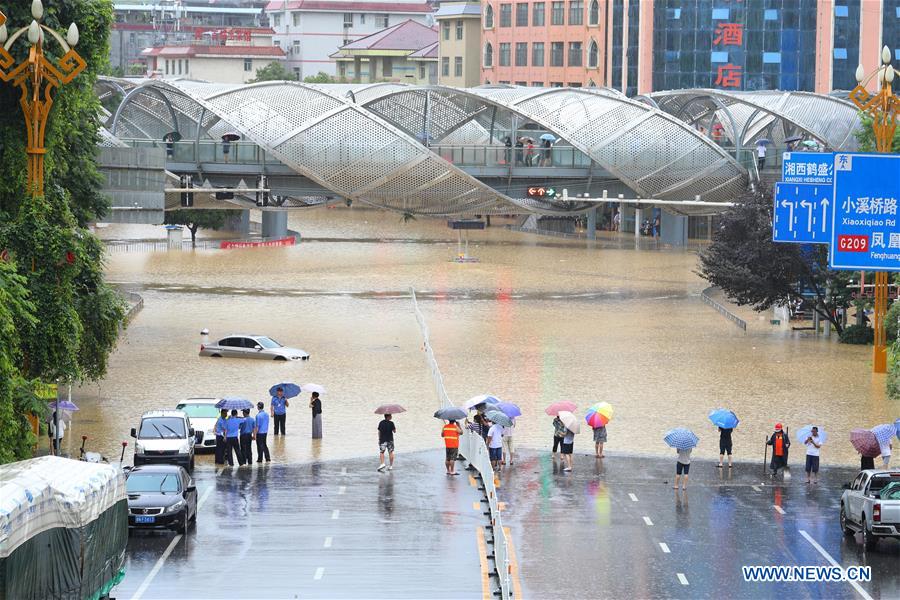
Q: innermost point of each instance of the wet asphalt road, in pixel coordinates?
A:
(327, 529)
(616, 529)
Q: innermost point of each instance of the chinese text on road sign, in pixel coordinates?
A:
(807, 167)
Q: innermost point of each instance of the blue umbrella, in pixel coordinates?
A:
(549, 137)
(509, 409)
(233, 403)
(450, 413)
(805, 432)
(884, 432)
(681, 438)
(64, 405)
(724, 418)
(762, 141)
(495, 416)
(290, 389)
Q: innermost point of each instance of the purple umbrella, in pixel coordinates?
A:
(389, 409)
(509, 409)
(64, 405)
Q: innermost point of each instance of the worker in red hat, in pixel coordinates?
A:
(780, 443)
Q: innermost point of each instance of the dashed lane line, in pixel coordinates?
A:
(682, 579)
(319, 572)
(755, 488)
(165, 555)
(859, 589)
(341, 490)
(664, 547)
(633, 497)
(343, 470)
(648, 521)
(328, 541)
(482, 558)
(336, 513)
(779, 509)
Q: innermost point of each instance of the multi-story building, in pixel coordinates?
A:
(640, 46)
(311, 31)
(406, 52)
(459, 25)
(233, 56)
(140, 25)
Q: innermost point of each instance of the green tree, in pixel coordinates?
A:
(754, 271)
(195, 219)
(320, 77)
(273, 71)
(893, 376)
(865, 135)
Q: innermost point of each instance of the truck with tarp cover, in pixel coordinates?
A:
(63, 529)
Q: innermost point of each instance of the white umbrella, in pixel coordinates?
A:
(313, 387)
(570, 421)
(480, 399)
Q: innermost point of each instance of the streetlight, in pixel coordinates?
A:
(883, 107)
(37, 77)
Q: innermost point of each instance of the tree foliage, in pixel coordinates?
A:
(865, 135)
(273, 71)
(320, 77)
(195, 219)
(754, 271)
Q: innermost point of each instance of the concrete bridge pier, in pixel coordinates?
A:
(274, 223)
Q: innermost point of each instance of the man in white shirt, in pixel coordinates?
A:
(761, 156)
(495, 445)
(813, 445)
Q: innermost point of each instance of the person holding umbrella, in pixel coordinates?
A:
(780, 444)
(512, 411)
(598, 417)
(726, 421)
(495, 444)
(683, 441)
(279, 409)
(813, 440)
(865, 442)
(316, 405)
(386, 431)
(568, 442)
(884, 434)
(451, 432)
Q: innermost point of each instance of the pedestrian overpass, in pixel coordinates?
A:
(437, 150)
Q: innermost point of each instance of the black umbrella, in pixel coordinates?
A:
(793, 138)
(172, 136)
(231, 137)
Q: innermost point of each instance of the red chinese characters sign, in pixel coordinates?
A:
(729, 34)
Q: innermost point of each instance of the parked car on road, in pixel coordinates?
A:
(164, 437)
(251, 346)
(871, 505)
(203, 415)
(160, 497)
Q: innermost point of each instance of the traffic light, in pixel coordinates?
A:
(187, 198)
(542, 192)
(262, 198)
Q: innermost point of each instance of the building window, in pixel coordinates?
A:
(673, 13)
(506, 15)
(772, 58)
(295, 17)
(248, 64)
(504, 54)
(521, 54)
(570, 84)
(459, 29)
(575, 59)
(593, 55)
(362, 18)
(537, 14)
(167, 66)
(276, 20)
(537, 54)
(521, 14)
(841, 11)
(445, 66)
(186, 66)
(718, 57)
(720, 14)
(556, 84)
(594, 16)
(387, 67)
(445, 27)
(457, 66)
(382, 20)
(771, 14)
(489, 17)
(537, 84)
(576, 12)
(348, 20)
(296, 48)
(556, 54)
(179, 66)
(297, 73)
(522, 83)
(422, 72)
(839, 54)
(488, 55)
(558, 13)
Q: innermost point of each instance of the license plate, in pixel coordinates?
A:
(144, 519)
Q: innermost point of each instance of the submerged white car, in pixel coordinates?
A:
(251, 346)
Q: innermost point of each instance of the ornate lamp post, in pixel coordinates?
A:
(37, 77)
(883, 107)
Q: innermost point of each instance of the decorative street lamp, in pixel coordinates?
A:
(37, 77)
(883, 107)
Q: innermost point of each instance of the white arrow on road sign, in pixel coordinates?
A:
(790, 207)
(825, 204)
(809, 210)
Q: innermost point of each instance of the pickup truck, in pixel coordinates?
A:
(871, 506)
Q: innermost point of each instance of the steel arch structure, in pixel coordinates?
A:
(748, 116)
(370, 142)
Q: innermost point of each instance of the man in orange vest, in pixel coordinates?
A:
(780, 443)
(450, 433)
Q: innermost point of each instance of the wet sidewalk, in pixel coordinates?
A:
(328, 529)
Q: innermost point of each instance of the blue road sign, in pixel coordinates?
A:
(865, 235)
(807, 167)
(802, 213)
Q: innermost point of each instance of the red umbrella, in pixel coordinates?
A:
(865, 442)
(389, 409)
(565, 405)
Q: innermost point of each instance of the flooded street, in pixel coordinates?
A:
(537, 320)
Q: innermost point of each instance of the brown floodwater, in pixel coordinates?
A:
(536, 320)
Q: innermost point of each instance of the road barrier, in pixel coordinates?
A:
(472, 447)
(136, 304)
(722, 309)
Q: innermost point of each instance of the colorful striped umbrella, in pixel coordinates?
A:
(554, 409)
(724, 418)
(865, 442)
(599, 414)
(681, 438)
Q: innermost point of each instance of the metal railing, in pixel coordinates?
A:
(473, 449)
(722, 309)
(136, 304)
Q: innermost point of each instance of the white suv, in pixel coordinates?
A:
(164, 437)
(203, 415)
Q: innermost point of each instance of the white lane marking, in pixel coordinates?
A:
(859, 589)
(335, 513)
(341, 490)
(756, 488)
(778, 508)
(165, 555)
(344, 471)
(633, 497)
(682, 579)
(648, 521)
(319, 572)
(328, 541)
(664, 547)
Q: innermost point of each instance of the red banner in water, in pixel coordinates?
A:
(287, 241)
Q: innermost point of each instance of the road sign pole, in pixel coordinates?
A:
(879, 358)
